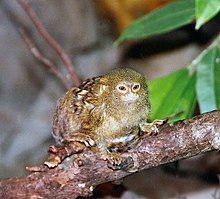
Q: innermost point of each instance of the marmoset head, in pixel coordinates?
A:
(126, 86)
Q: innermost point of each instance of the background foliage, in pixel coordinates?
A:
(200, 80)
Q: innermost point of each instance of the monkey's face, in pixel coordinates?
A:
(125, 87)
(128, 92)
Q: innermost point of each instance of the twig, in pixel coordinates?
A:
(47, 37)
(79, 174)
(46, 61)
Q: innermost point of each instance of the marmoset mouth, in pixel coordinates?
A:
(129, 98)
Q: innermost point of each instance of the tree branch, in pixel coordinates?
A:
(79, 174)
(40, 57)
(47, 37)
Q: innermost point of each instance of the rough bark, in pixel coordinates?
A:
(79, 174)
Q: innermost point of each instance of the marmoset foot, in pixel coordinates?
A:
(152, 128)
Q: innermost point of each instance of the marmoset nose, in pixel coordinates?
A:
(129, 97)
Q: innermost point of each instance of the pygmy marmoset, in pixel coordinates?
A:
(108, 112)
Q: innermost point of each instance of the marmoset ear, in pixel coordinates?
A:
(103, 85)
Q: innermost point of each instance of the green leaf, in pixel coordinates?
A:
(217, 78)
(173, 94)
(208, 83)
(205, 10)
(161, 20)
